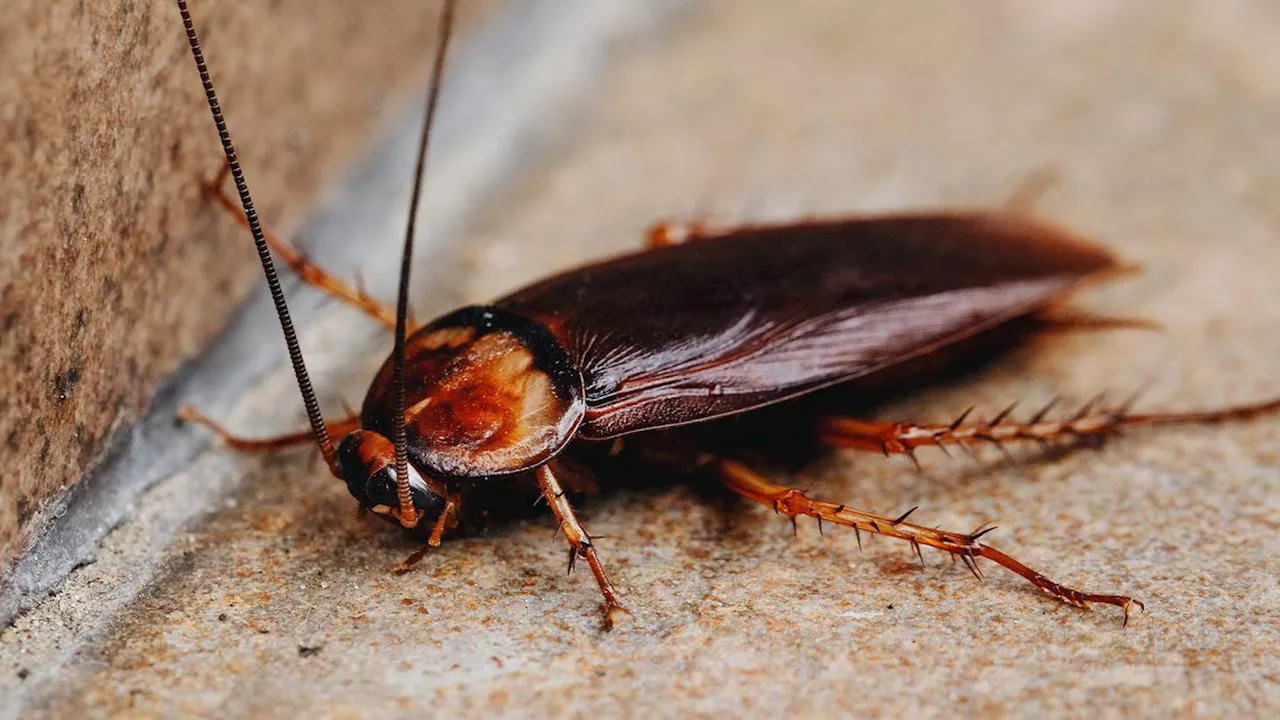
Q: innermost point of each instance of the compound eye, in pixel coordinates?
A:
(362, 451)
(382, 496)
(381, 490)
(358, 454)
(365, 459)
(427, 502)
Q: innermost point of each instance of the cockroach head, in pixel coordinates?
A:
(368, 463)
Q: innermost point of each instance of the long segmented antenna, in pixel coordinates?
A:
(318, 429)
(408, 513)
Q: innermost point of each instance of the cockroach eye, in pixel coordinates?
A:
(367, 463)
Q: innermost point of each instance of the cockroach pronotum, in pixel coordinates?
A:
(702, 325)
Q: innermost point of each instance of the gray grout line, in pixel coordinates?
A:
(512, 88)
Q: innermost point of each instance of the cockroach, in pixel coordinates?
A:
(704, 324)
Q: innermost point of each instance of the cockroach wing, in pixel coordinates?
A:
(758, 315)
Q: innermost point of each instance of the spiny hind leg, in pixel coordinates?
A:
(311, 273)
(579, 543)
(337, 429)
(1091, 423)
(791, 502)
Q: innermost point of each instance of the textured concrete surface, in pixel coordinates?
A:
(1160, 123)
(112, 272)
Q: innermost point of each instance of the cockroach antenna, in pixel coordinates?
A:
(409, 513)
(318, 429)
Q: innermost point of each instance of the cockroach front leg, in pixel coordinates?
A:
(447, 521)
(579, 543)
(310, 273)
(337, 428)
(792, 502)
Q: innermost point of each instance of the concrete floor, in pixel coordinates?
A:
(1160, 124)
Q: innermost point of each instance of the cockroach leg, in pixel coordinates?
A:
(1089, 424)
(408, 563)
(580, 543)
(576, 477)
(792, 502)
(310, 273)
(337, 428)
(1066, 321)
(1032, 189)
(671, 232)
(448, 519)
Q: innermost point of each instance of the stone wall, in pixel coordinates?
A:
(112, 267)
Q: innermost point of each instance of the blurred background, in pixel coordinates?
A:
(245, 586)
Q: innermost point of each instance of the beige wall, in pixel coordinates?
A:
(112, 268)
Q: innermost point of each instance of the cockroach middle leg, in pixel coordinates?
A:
(1032, 189)
(309, 272)
(1088, 424)
(579, 543)
(674, 232)
(1022, 200)
(337, 428)
(792, 502)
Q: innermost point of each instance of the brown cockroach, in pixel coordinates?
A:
(704, 324)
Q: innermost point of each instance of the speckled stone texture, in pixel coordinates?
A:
(1160, 120)
(112, 270)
